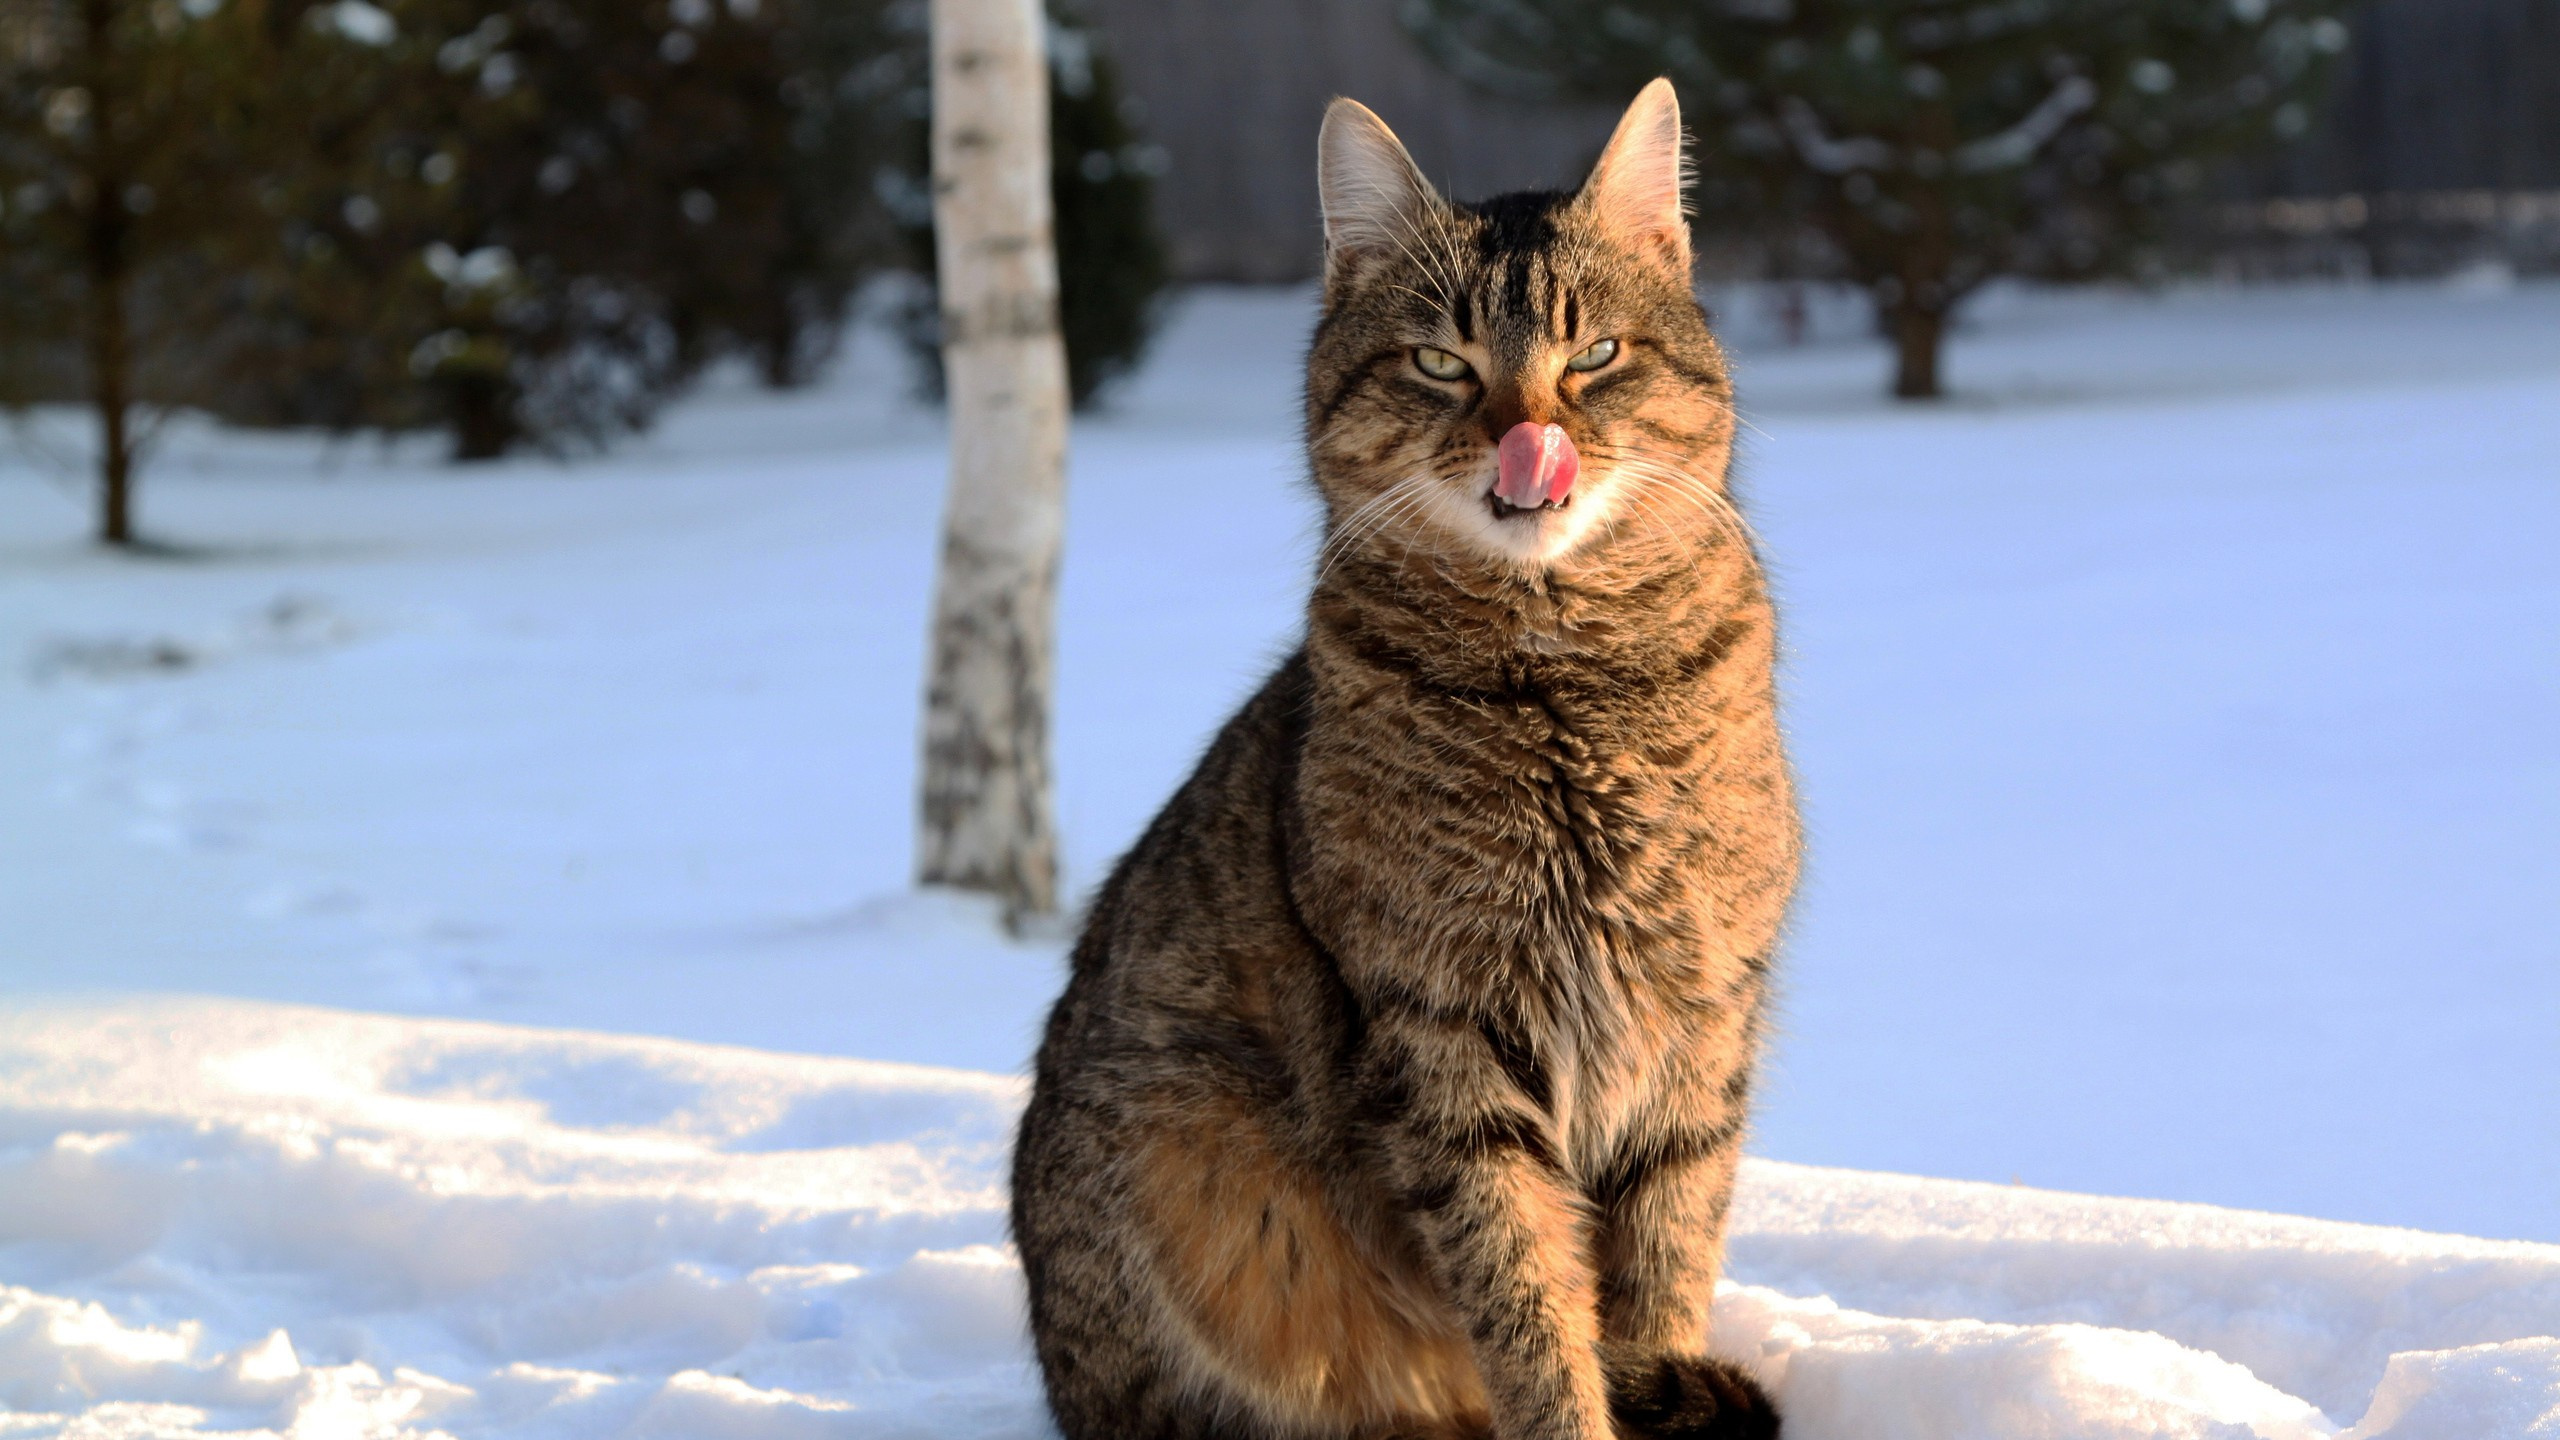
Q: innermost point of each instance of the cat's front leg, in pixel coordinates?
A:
(1662, 1206)
(1506, 1233)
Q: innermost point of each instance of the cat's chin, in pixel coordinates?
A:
(1531, 539)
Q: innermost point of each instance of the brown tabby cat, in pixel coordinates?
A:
(1400, 1082)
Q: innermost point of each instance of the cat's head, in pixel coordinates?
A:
(1526, 383)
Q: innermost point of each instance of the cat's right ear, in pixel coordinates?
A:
(1374, 196)
(1635, 189)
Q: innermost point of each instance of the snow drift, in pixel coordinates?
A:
(228, 1217)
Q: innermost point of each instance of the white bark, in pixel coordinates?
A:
(986, 821)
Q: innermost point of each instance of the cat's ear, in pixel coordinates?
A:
(1373, 194)
(1634, 192)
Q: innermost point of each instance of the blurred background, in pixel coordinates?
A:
(532, 225)
(469, 503)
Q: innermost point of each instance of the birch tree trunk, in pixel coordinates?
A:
(986, 818)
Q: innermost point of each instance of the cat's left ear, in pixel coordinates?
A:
(1634, 192)
(1374, 195)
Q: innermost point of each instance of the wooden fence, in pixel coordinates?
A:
(2439, 97)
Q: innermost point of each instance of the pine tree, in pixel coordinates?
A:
(1932, 144)
(125, 195)
(1112, 266)
(540, 219)
(853, 98)
(520, 221)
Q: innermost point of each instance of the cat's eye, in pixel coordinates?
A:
(1593, 355)
(1439, 364)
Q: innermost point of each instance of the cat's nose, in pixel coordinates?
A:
(1538, 465)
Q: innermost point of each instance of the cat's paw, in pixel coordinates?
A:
(1678, 1397)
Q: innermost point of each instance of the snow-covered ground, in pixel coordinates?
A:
(2179, 718)
(226, 1216)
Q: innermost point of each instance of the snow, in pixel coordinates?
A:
(2178, 726)
(230, 1215)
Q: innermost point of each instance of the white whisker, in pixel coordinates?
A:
(1372, 516)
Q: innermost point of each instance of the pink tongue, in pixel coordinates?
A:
(1538, 465)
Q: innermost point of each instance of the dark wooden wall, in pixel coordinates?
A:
(2436, 95)
(1234, 90)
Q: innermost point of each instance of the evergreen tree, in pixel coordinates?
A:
(547, 216)
(857, 71)
(1933, 144)
(126, 164)
(1112, 266)
(521, 221)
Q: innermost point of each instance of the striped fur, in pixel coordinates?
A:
(1399, 1084)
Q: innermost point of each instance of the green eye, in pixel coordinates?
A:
(1594, 355)
(1439, 364)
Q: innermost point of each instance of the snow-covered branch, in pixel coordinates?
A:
(1824, 153)
(2019, 143)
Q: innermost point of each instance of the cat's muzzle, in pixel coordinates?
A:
(1537, 468)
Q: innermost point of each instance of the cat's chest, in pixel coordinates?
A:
(1540, 860)
(1558, 815)
(1569, 798)
(1545, 839)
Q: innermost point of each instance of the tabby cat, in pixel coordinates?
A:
(1399, 1085)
